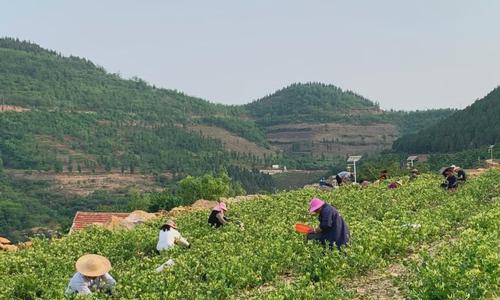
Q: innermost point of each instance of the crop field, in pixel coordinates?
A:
(453, 239)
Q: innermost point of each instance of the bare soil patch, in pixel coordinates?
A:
(231, 141)
(332, 139)
(286, 278)
(378, 284)
(4, 108)
(84, 184)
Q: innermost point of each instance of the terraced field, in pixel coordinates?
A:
(445, 245)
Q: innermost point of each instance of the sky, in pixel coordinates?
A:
(404, 54)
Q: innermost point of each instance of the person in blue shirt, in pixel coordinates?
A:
(323, 183)
(332, 227)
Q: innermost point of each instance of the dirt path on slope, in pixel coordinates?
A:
(379, 284)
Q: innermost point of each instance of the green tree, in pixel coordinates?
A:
(58, 166)
(205, 187)
(139, 201)
(70, 165)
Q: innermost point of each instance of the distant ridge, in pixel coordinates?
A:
(476, 125)
(308, 101)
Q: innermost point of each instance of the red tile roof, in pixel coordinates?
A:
(83, 219)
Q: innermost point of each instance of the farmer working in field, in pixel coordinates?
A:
(461, 176)
(332, 228)
(91, 276)
(413, 174)
(323, 183)
(169, 237)
(395, 184)
(383, 175)
(343, 177)
(217, 217)
(451, 181)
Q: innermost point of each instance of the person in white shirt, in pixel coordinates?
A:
(169, 237)
(91, 276)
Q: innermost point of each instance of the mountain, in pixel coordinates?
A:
(310, 102)
(67, 113)
(475, 126)
(74, 111)
(75, 137)
(323, 121)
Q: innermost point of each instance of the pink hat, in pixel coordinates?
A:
(220, 206)
(315, 204)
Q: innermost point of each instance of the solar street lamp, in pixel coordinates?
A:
(353, 160)
(490, 150)
(410, 160)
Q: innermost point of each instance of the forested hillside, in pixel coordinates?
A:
(70, 114)
(311, 102)
(475, 126)
(107, 121)
(67, 119)
(324, 103)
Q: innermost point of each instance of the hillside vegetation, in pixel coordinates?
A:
(67, 116)
(113, 123)
(313, 102)
(475, 126)
(121, 123)
(268, 260)
(325, 103)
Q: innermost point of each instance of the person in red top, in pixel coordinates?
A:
(395, 184)
(383, 175)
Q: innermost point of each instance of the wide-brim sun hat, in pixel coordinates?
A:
(93, 265)
(315, 204)
(221, 206)
(171, 223)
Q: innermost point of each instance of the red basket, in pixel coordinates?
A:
(303, 228)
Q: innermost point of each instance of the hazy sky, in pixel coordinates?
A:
(404, 54)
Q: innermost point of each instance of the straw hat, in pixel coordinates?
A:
(171, 223)
(93, 265)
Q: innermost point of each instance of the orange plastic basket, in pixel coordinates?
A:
(303, 228)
